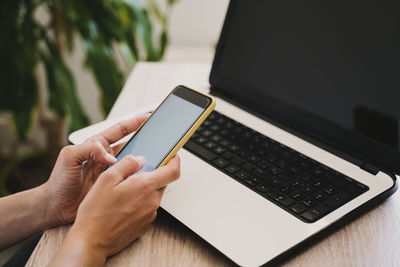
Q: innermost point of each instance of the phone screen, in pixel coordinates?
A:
(162, 131)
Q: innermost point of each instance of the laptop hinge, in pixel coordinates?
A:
(369, 168)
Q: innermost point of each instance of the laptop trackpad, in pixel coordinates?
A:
(230, 216)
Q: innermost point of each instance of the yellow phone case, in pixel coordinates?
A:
(189, 133)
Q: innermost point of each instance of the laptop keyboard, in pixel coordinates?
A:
(301, 186)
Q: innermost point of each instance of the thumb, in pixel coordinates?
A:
(90, 150)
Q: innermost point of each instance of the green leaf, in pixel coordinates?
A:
(157, 12)
(61, 87)
(18, 64)
(23, 113)
(100, 60)
(63, 11)
(172, 2)
(163, 44)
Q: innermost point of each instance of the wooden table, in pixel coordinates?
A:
(371, 240)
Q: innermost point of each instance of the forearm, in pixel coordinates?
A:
(23, 215)
(77, 250)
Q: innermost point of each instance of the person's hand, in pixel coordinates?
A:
(117, 210)
(78, 167)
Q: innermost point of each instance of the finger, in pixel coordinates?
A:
(126, 167)
(121, 129)
(87, 151)
(166, 174)
(117, 148)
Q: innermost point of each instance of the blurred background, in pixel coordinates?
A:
(63, 64)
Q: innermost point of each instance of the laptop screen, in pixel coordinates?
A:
(329, 68)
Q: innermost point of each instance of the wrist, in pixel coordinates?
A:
(78, 250)
(48, 218)
(86, 244)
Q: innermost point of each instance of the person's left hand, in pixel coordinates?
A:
(78, 167)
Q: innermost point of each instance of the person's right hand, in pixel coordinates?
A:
(117, 210)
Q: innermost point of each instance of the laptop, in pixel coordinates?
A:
(306, 130)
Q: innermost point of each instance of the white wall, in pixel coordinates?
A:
(197, 22)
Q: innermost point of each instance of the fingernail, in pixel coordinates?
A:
(110, 157)
(140, 159)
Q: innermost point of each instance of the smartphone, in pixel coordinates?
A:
(169, 127)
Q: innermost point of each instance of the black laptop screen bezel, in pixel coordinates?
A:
(319, 131)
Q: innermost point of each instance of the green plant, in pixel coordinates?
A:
(37, 33)
(104, 26)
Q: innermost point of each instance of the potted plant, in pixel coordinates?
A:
(37, 34)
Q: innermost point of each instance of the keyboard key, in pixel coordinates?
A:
(287, 155)
(263, 188)
(315, 212)
(207, 133)
(318, 172)
(285, 176)
(276, 149)
(251, 148)
(220, 162)
(318, 183)
(201, 140)
(242, 175)
(294, 170)
(250, 182)
(237, 160)
(298, 208)
(308, 189)
(214, 127)
(320, 196)
(255, 179)
(200, 129)
(243, 153)
(199, 150)
(272, 181)
(330, 190)
(248, 166)
(210, 145)
(271, 158)
(304, 164)
(215, 138)
(220, 120)
(253, 158)
(282, 164)
(263, 164)
(259, 172)
(286, 189)
(341, 184)
(219, 150)
(307, 177)
(228, 155)
(195, 135)
(223, 132)
(354, 190)
(234, 148)
(229, 125)
(224, 143)
(232, 169)
(329, 178)
(338, 200)
(274, 170)
(297, 195)
(297, 183)
(309, 202)
(284, 200)
(206, 123)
